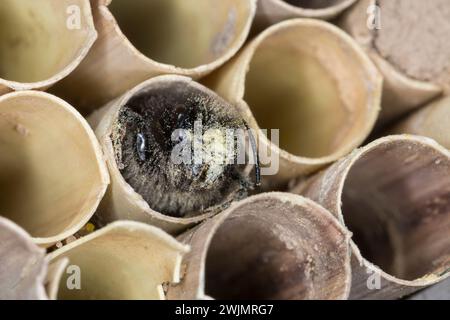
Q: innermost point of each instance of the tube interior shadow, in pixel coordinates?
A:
(36, 42)
(124, 261)
(396, 201)
(51, 176)
(313, 4)
(254, 257)
(305, 84)
(182, 33)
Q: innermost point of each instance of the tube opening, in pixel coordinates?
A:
(125, 264)
(314, 4)
(50, 179)
(309, 83)
(170, 145)
(265, 251)
(396, 202)
(36, 41)
(423, 52)
(182, 33)
(103, 277)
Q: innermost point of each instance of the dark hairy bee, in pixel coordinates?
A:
(154, 123)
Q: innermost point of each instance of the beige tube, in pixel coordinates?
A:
(124, 260)
(311, 81)
(269, 246)
(22, 265)
(141, 39)
(272, 11)
(148, 185)
(416, 68)
(55, 275)
(52, 173)
(432, 121)
(393, 196)
(42, 41)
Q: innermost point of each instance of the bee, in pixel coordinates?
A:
(155, 124)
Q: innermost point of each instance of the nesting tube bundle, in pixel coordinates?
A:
(52, 172)
(216, 149)
(142, 134)
(269, 246)
(393, 195)
(273, 11)
(125, 260)
(312, 82)
(42, 41)
(407, 40)
(23, 265)
(141, 39)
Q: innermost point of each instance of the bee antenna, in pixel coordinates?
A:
(255, 155)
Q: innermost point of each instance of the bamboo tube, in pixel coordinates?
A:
(432, 121)
(23, 265)
(124, 260)
(393, 196)
(272, 11)
(312, 82)
(141, 39)
(52, 174)
(147, 185)
(42, 41)
(55, 275)
(269, 246)
(416, 68)
(440, 291)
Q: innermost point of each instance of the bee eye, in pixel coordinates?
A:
(141, 146)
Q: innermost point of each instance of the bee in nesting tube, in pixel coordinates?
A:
(156, 126)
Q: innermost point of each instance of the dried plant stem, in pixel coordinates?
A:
(23, 266)
(124, 260)
(411, 77)
(432, 121)
(142, 39)
(42, 41)
(311, 81)
(272, 11)
(393, 196)
(282, 246)
(52, 174)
